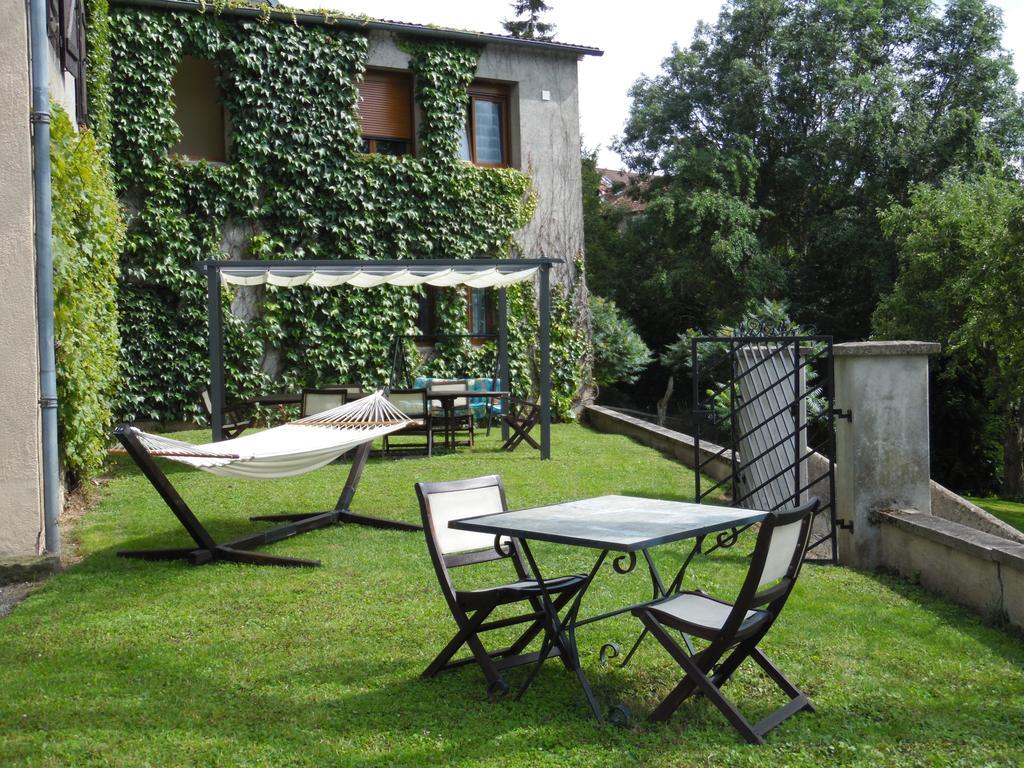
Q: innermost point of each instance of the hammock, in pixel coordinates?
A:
(291, 449)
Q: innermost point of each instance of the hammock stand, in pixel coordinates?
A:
(240, 550)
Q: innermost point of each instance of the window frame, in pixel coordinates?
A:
(500, 94)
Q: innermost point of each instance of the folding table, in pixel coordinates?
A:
(627, 524)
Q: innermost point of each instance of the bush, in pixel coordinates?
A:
(88, 232)
(619, 353)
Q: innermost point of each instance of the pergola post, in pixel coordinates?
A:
(216, 352)
(503, 368)
(545, 361)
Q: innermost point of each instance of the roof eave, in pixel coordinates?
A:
(364, 25)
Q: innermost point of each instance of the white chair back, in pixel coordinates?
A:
(446, 506)
(784, 544)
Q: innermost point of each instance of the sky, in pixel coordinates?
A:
(635, 36)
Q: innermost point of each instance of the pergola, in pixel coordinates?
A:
(473, 273)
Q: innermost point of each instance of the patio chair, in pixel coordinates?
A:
(352, 391)
(460, 418)
(442, 502)
(521, 418)
(733, 630)
(319, 400)
(237, 416)
(413, 403)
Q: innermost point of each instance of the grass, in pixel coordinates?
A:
(127, 663)
(1010, 512)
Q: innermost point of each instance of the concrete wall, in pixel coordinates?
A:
(20, 478)
(716, 461)
(979, 570)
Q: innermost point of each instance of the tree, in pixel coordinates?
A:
(526, 21)
(961, 251)
(774, 139)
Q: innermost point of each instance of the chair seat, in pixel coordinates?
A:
(702, 615)
(519, 590)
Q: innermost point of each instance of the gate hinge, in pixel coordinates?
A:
(846, 525)
(839, 413)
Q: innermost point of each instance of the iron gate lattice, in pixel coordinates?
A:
(765, 404)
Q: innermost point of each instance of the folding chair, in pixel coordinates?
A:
(352, 391)
(736, 628)
(521, 418)
(413, 403)
(237, 416)
(443, 502)
(316, 401)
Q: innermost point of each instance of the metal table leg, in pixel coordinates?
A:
(563, 631)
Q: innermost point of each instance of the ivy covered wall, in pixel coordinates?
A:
(297, 186)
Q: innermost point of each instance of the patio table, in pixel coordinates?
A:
(627, 524)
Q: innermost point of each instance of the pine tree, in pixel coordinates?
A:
(527, 23)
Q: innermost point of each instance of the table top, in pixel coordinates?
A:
(622, 523)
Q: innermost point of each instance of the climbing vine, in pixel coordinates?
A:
(88, 233)
(296, 185)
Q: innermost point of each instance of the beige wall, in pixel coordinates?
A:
(20, 480)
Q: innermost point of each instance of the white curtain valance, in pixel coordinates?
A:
(369, 277)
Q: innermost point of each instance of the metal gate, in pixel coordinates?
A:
(764, 424)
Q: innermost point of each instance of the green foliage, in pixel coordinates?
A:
(765, 317)
(779, 133)
(961, 246)
(296, 186)
(97, 69)
(527, 21)
(619, 353)
(570, 350)
(88, 233)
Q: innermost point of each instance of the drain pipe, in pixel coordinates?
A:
(40, 119)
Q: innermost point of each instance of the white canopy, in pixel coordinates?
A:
(371, 276)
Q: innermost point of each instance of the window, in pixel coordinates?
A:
(65, 28)
(426, 321)
(385, 112)
(199, 111)
(481, 319)
(484, 141)
(481, 312)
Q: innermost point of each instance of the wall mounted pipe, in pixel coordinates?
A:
(40, 119)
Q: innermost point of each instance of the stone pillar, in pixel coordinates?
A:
(882, 458)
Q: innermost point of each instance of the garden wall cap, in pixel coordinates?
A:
(363, 23)
(885, 348)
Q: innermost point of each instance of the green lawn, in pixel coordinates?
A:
(1010, 512)
(129, 663)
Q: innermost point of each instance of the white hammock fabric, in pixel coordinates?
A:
(291, 449)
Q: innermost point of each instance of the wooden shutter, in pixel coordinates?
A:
(385, 105)
(53, 27)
